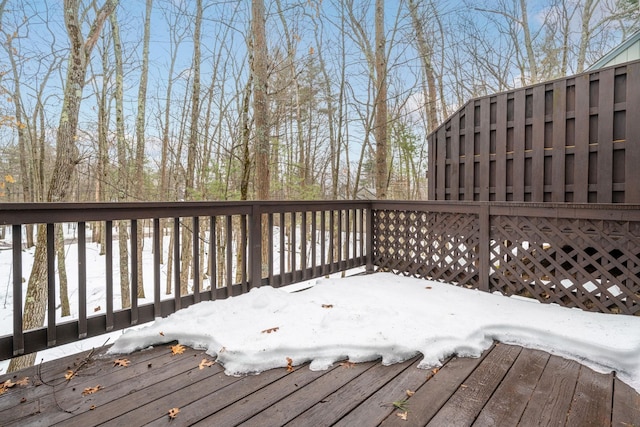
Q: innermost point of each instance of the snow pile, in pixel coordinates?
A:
(383, 315)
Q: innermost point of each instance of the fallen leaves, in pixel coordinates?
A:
(435, 370)
(91, 390)
(205, 363)
(327, 305)
(268, 331)
(97, 309)
(428, 287)
(10, 384)
(69, 375)
(410, 393)
(347, 364)
(402, 415)
(290, 364)
(177, 349)
(173, 413)
(121, 362)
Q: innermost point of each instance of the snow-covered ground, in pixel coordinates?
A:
(359, 318)
(363, 318)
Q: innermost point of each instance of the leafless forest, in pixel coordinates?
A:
(264, 99)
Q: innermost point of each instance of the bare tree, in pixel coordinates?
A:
(67, 154)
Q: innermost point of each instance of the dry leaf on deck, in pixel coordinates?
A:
(428, 287)
(347, 364)
(410, 393)
(91, 390)
(327, 305)
(177, 349)
(268, 331)
(121, 362)
(161, 333)
(402, 415)
(435, 370)
(173, 412)
(289, 365)
(96, 309)
(69, 375)
(10, 384)
(206, 363)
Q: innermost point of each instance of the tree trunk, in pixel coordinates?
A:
(62, 272)
(380, 124)
(123, 181)
(67, 156)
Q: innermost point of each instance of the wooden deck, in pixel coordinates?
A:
(507, 386)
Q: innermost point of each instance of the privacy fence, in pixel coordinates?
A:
(575, 139)
(575, 255)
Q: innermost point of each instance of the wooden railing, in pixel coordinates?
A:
(300, 241)
(575, 255)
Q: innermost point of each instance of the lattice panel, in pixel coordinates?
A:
(590, 264)
(432, 245)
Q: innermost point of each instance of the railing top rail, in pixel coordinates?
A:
(31, 213)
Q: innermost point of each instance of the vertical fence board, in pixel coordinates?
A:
(501, 147)
(442, 163)
(537, 154)
(176, 264)
(454, 161)
(605, 136)
(559, 138)
(632, 135)
(581, 149)
(213, 258)
(469, 157)
(518, 145)
(485, 129)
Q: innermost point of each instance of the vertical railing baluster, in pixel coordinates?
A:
(362, 232)
(369, 237)
(255, 230)
(134, 271)
(347, 220)
(229, 260)
(323, 242)
(292, 251)
(282, 249)
(332, 229)
(213, 266)
(18, 337)
(157, 307)
(108, 240)
(303, 244)
(196, 259)
(314, 241)
(176, 264)
(339, 245)
(82, 280)
(271, 248)
(242, 253)
(51, 283)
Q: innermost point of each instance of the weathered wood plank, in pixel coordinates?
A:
(465, 404)
(626, 405)
(298, 402)
(551, 399)
(380, 404)
(592, 399)
(213, 393)
(255, 401)
(341, 402)
(123, 402)
(428, 399)
(507, 404)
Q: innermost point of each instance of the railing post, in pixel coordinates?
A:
(255, 241)
(485, 243)
(369, 237)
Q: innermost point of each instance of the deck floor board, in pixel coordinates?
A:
(507, 385)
